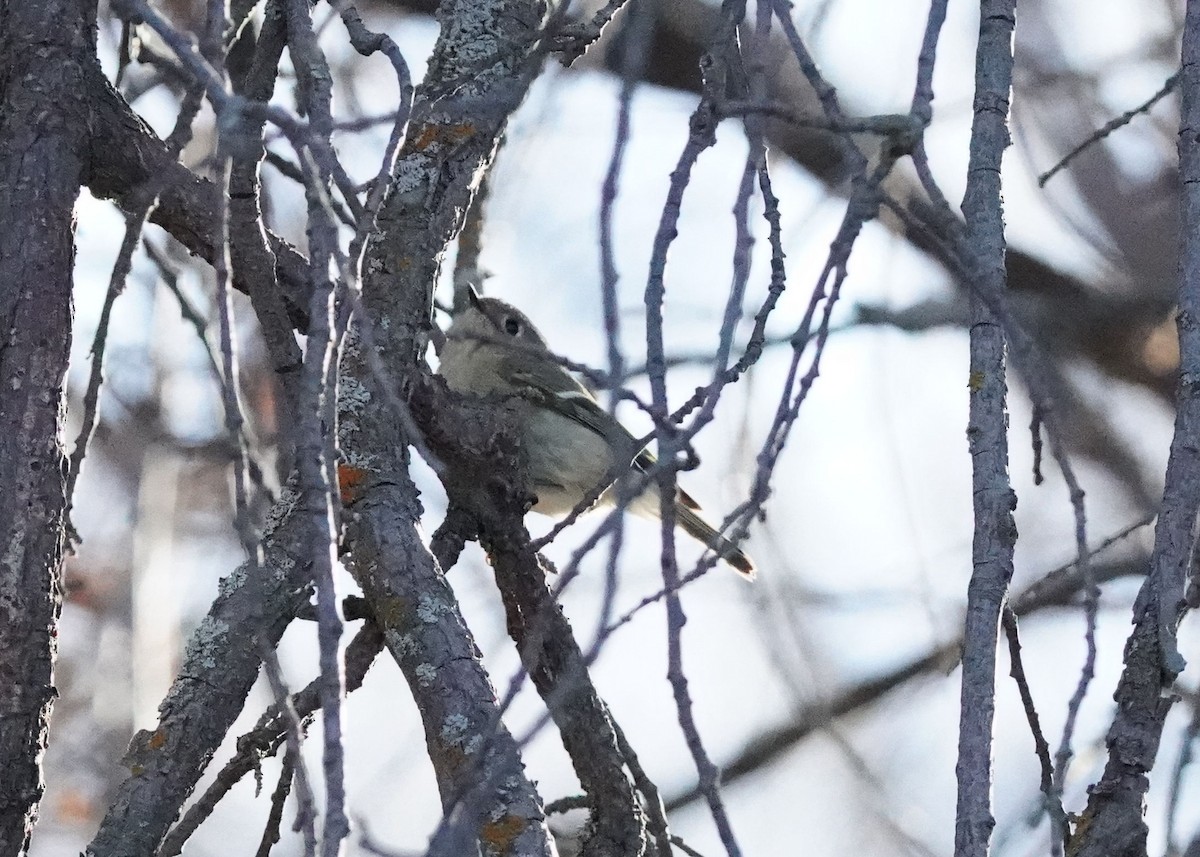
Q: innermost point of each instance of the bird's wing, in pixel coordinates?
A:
(553, 387)
(557, 389)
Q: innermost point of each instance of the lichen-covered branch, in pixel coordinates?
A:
(480, 69)
(483, 481)
(255, 263)
(254, 607)
(269, 734)
(425, 633)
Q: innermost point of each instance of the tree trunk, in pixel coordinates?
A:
(43, 139)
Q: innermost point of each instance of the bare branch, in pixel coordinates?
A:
(1113, 818)
(135, 221)
(316, 454)
(1058, 817)
(1186, 757)
(457, 117)
(1111, 126)
(987, 432)
(275, 817)
(306, 804)
(702, 129)
(487, 456)
(126, 153)
(1056, 589)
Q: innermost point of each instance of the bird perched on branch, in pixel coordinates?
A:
(574, 447)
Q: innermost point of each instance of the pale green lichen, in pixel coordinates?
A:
(233, 581)
(406, 646)
(288, 498)
(454, 730)
(353, 395)
(430, 609)
(209, 634)
(282, 563)
(426, 673)
(353, 399)
(411, 175)
(360, 460)
(14, 554)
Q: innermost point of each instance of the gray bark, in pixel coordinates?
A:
(221, 664)
(1113, 822)
(43, 121)
(987, 431)
(410, 600)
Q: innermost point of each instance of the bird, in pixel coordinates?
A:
(572, 445)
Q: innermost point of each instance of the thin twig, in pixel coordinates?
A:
(656, 813)
(135, 220)
(275, 817)
(316, 452)
(1112, 125)
(1152, 657)
(994, 531)
(1187, 750)
(1058, 817)
(702, 135)
(1055, 589)
(270, 733)
(573, 40)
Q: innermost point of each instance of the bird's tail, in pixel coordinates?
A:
(687, 516)
(702, 531)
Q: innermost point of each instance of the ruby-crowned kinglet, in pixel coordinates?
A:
(572, 445)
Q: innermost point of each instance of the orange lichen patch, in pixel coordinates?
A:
(500, 834)
(158, 740)
(430, 134)
(350, 482)
(458, 131)
(424, 137)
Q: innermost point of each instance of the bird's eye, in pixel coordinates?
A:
(511, 326)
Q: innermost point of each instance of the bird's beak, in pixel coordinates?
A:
(473, 296)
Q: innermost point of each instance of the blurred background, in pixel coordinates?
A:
(829, 688)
